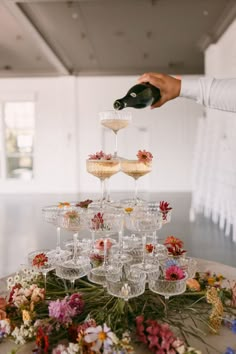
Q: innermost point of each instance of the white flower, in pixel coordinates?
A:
(101, 336)
(10, 281)
(5, 327)
(16, 278)
(23, 333)
(73, 348)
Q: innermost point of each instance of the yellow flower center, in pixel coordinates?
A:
(102, 336)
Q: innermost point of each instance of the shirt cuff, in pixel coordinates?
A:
(190, 89)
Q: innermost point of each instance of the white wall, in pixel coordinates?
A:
(68, 130)
(55, 139)
(220, 58)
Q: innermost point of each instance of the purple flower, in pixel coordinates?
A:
(62, 311)
(233, 328)
(229, 351)
(76, 302)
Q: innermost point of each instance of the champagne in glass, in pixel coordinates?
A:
(135, 169)
(103, 169)
(115, 121)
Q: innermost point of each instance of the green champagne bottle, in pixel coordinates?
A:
(139, 96)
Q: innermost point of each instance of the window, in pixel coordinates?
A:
(18, 140)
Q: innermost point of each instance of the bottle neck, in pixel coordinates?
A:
(119, 104)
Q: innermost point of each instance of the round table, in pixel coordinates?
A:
(224, 339)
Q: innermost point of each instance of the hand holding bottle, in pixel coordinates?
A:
(169, 86)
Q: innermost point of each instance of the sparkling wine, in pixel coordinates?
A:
(135, 168)
(115, 124)
(103, 168)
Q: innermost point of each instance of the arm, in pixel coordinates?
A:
(218, 94)
(212, 93)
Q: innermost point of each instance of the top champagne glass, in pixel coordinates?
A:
(115, 120)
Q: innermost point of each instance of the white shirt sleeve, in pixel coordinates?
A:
(212, 93)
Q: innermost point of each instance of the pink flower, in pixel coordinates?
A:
(100, 156)
(100, 244)
(61, 311)
(38, 294)
(158, 336)
(174, 273)
(144, 156)
(76, 302)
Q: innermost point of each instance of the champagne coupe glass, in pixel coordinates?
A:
(115, 120)
(125, 285)
(160, 251)
(43, 261)
(135, 169)
(103, 223)
(167, 288)
(103, 169)
(144, 221)
(71, 270)
(72, 219)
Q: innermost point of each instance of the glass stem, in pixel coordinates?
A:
(108, 197)
(93, 240)
(105, 262)
(72, 282)
(116, 145)
(58, 246)
(155, 242)
(144, 241)
(120, 242)
(45, 282)
(102, 193)
(136, 191)
(75, 239)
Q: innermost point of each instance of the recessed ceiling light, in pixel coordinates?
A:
(74, 15)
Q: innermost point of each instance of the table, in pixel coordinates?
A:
(225, 339)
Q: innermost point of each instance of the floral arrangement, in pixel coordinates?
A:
(100, 156)
(89, 320)
(144, 156)
(174, 246)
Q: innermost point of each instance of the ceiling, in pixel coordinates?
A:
(109, 37)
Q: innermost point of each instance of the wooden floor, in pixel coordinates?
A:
(22, 229)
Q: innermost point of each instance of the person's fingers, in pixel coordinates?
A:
(146, 77)
(159, 103)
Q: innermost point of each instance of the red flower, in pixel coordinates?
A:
(174, 246)
(40, 260)
(42, 340)
(144, 156)
(165, 208)
(149, 248)
(84, 204)
(16, 286)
